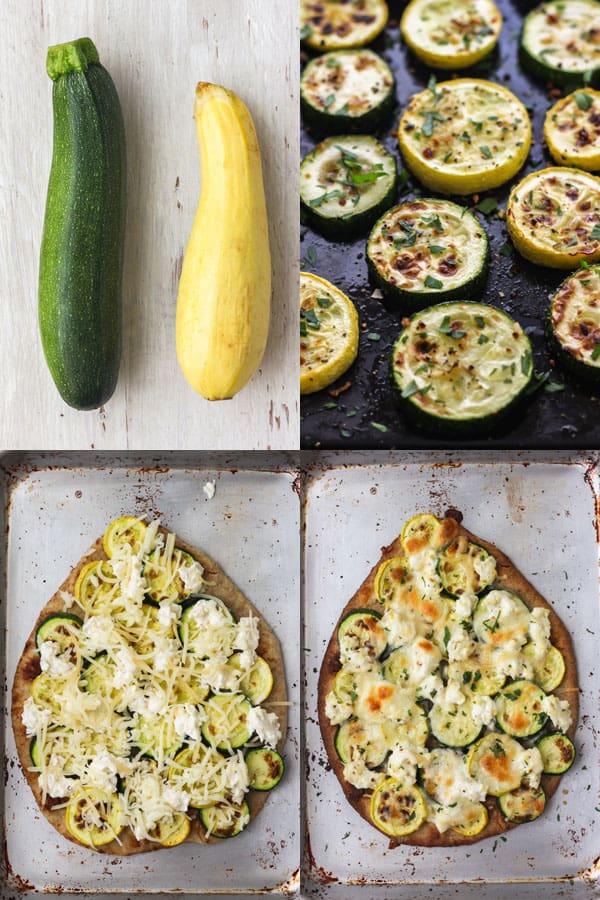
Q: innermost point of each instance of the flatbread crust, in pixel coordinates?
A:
(28, 668)
(508, 577)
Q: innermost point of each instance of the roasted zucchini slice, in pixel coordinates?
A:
(519, 709)
(495, 761)
(422, 532)
(171, 830)
(408, 664)
(393, 576)
(162, 575)
(549, 671)
(397, 809)
(572, 130)
(225, 820)
(574, 324)
(479, 673)
(559, 42)
(328, 333)
(557, 751)
(464, 136)
(93, 817)
(346, 91)
(523, 805)
(460, 367)
(226, 726)
(341, 24)
(96, 585)
(465, 567)
(445, 34)
(257, 684)
(366, 740)
(454, 726)
(345, 185)
(474, 819)
(265, 768)
(124, 530)
(63, 629)
(410, 723)
(156, 736)
(553, 217)
(362, 629)
(499, 617)
(192, 629)
(427, 250)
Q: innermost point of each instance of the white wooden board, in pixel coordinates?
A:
(156, 51)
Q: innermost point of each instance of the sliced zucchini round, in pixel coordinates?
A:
(156, 736)
(557, 751)
(445, 34)
(549, 671)
(553, 217)
(411, 725)
(574, 324)
(519, 709)
(225, 820)
(345, 185)
(341, 24)
(572, 130)
(35, 753)
(345, 684)
(366, 739)
(171, 830)
(97, 678)
(122, 531)
(96, 584)
(479, 673)
(392, 576)
(427, 250)
(328, 333)
(226, 725)
(45, 690)
(523, 805)
(499, 617)
(421, 532)
(474, 819)
(461, 367)
(265, 768)
(495, 761)
(63, 629)
(454, 726)
(410, 663)
(258, 683)
(162, 577)
(93, 817)
(559, 42)
(346, 91)
(362, 629)
(205, 789)
(397, 809)
(201, 640)
(464, 136)
(465, 567)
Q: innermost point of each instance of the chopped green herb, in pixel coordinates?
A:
(507, 249)
(303, 328)
(330, 99)
(595, 352)
(311, 318)
(497, 749)
(310, 259)
(433, 283)
(373, 336)
(431, 84)
(305, 32)
(379, 426)
(595, 232)
(324, 302)
(480, 321)
(413, 388)
(332, 63)
(482, 339)
(446, 635)
(343, 110)
(526, 362)
(323, 198)
(330, 405)
(431, 117)
(486, 152)
(487, 205)
(434, 222)
(436, 249)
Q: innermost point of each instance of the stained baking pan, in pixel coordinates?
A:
(364, 415)
(542, 510)
(54, 507)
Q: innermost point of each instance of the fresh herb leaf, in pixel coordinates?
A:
(497, 749)
(303, 328)
(413, 388)
(310, 259)
(487, 206)
(486, 152)
(324, 302)
(506, 249)
(366, 177)
(526, 362)
(446, 636)
(583, 100)
(436, 249)
(305, 32)
(431, 117)
(595, 233)
(328, 195)
(433, 283)
(343, 110)
(311, 318)
(379, 426)
(434, 222)
(373, 336)
(480, 321)
(432, 84)
(596, 352)
(330, 99)
(332, 63)
(483, 339)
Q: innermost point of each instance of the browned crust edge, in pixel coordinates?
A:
(508, 577)
(28, 668)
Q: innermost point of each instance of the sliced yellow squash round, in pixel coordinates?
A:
(553, 217)
(464, 136)
(397, 809)
(124, 530)
(95, 584)
(341, 24)
(421, 532)
(572, 130)
(495, 761)
(446, 34)
(171, 830)
(392, 574)
(328, 333)
(93, 817)
(475, 818)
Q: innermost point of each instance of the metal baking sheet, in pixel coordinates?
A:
(54, 508)
(542, 510)
(564, 419)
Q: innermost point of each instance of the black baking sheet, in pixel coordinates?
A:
(365, 415)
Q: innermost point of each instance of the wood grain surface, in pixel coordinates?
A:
(156, 51)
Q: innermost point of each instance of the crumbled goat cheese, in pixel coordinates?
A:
(336, 710)
(209, 488)
(356, 773)
(188, 721)
(402, 763)
(33, 717)
(102, 772)
(265, 724)
(236, 777)
(558, 710)
(168, 613)
(191, 576)
(53, 662)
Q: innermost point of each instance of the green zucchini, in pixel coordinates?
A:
(35, 753)
(365, 739)
(523, 805)
(454, 726)
(573, 328)
(519, 709)
(346, 91)
(345, 185)
(549, 671)
(225, 820)
(466, 567)
(362, 629)
(63, 629)
(226, 725)
(559, 42)
(461, 368)
(557, 751)
(265, 768)
(81, 256)
(424, 251)
(499, 617)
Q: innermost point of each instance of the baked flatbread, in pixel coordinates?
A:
(216, 584)
(433, 608)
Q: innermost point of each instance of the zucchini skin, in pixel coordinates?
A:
(81, 258)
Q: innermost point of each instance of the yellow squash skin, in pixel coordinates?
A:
(225, 285)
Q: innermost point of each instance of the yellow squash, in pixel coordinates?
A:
(225, 286)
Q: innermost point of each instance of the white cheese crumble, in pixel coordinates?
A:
(402, 763)
(539, 631)
(464, 605)
(461, 645)
(558, 710)
(53, 661)
(209, 488)
(265, 724)
(483, 710)
(532, 766)
(191, 576)
(399, 627)
(125, 667)
(485, 568)
(33, 717)
(168, 614)
(356, 773)
(247, 636)
(236, 777)
(102, 772)
(336, 710)
(52, 781)
(188, 722)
